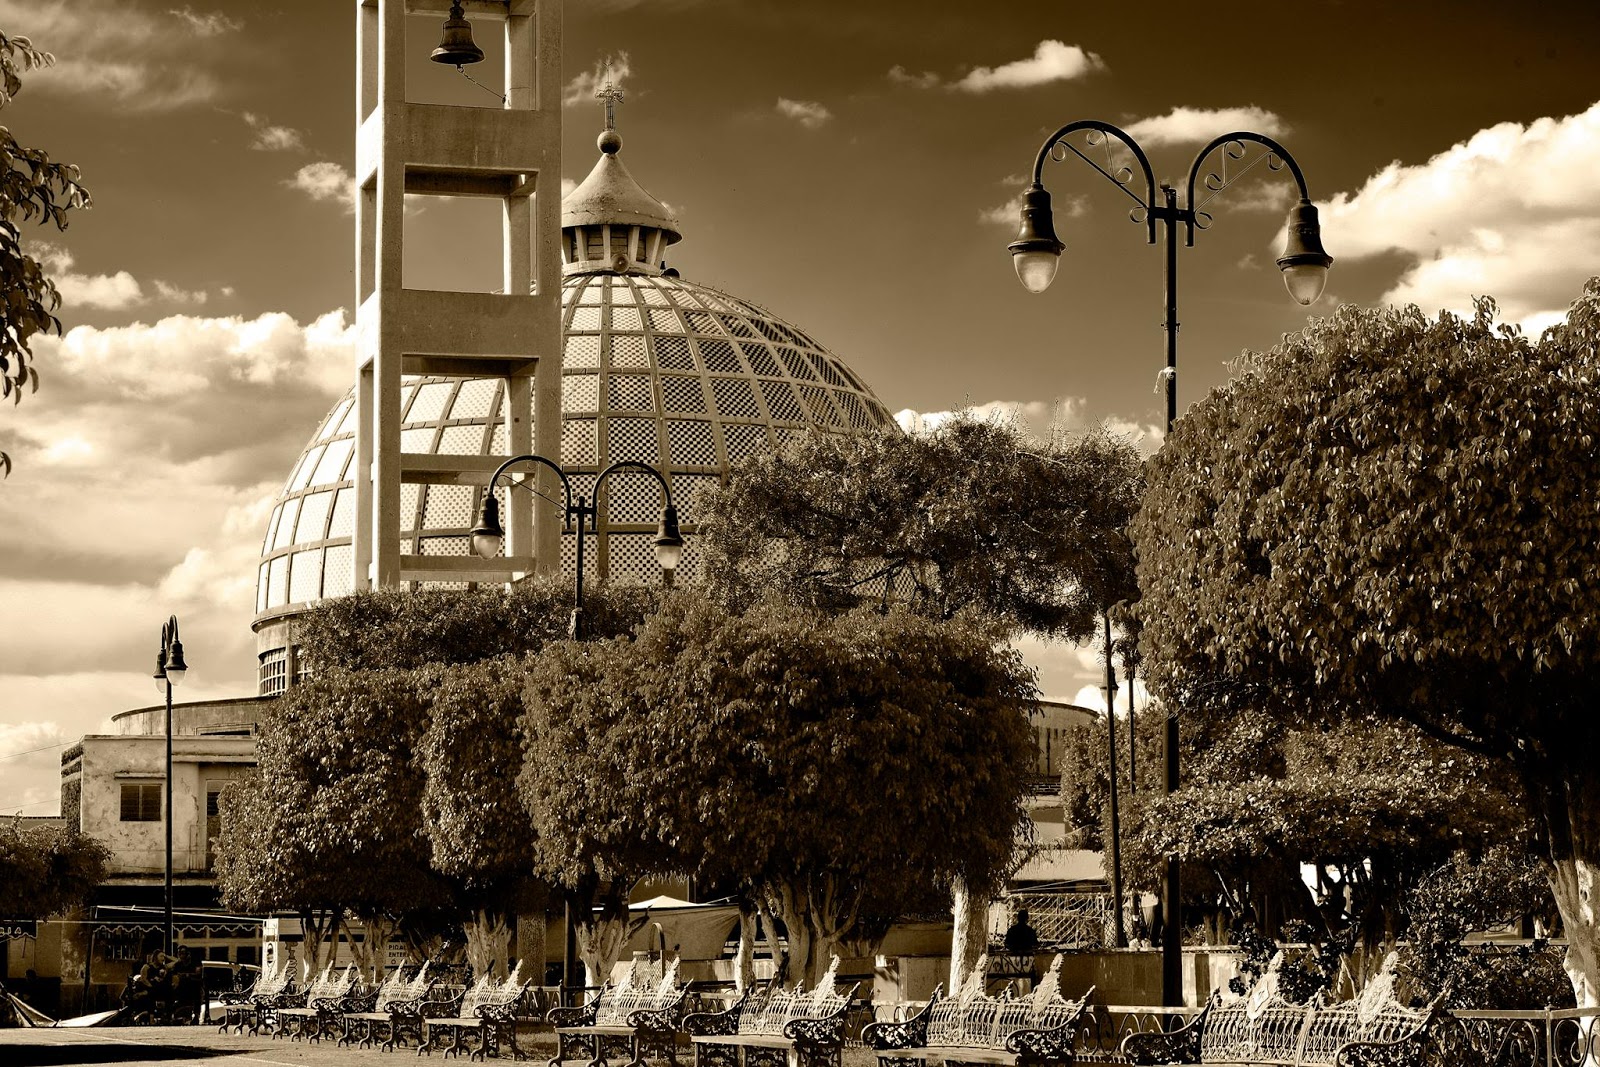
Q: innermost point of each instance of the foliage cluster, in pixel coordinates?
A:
(46, 870)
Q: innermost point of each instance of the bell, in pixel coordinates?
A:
(456, 47)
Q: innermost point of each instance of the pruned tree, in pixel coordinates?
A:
(331, 823)
(1396, 514)
(32, 187)
(804, 755)
(47, 870)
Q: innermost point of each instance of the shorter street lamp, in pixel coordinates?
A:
(170, 671)
(487, 537)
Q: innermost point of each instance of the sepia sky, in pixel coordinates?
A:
(851, 166)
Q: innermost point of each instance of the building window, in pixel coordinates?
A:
(141, 802)
(274, 672)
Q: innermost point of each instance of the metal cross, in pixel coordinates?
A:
(612, 95)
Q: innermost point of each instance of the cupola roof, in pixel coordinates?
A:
(610, 195)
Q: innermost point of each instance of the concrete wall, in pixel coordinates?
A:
(1129, 976)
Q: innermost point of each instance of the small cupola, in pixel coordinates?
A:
(609, 224)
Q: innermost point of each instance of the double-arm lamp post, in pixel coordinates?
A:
(170, 669)
(487, 537)
(1037, 252)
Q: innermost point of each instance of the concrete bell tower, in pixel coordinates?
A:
(511, 153)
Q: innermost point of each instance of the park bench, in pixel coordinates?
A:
(482, 1022)
(379, 1016)
(1040, 1030)
(1263, 1028)
(309, 1013)
(782, 1029)
(256, 1006)
(636, 1018)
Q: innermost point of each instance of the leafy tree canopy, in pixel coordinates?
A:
(398, 629)
(970, 516)
(31, 187)
(46, 870)
(801, 754)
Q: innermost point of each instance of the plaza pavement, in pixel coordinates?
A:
(146, 1046)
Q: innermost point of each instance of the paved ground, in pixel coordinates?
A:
(151, 1045)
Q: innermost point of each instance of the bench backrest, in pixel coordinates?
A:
(1376, 1015)
(615, 1005)
(771, 1015)
(271, 983)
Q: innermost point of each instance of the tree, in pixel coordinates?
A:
(31, 186)
(1397, 514)
(47, 870)
(968, 517)
(331, 823)
(804, 755)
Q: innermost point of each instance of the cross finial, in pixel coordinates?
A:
(612, 95)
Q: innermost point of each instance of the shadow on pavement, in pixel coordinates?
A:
(63, 1053)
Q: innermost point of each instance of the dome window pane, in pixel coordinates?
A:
(827, 370)
(769, 330)
(719, 356)
(272, 529)
(419, 440)
(261, 589)
(444, 546)
(338, 571)
(632, 556)
(585, 318)
(735, 398)
(313, 522)
(305, 576)
(737, 326)
(745, 441)
(284, 537)
(410, 496)
(578, 446)
(449, 507)
(672, 353)
(797, 365)
(498, 445)
(627, 350)
(690, 444)
(278, 583)
(344, 514)
(851, 405)
(626, 318)
(630, 392)
(633, 439)
(462, 440)
(475, 399)
(336, 419)
(632, 498)
(700, 322)
(761, 361)
(822, 409)
(652, 296)
(664, 320)
(348, 423)
(302, 474)
(682, 394)
(580, 392)
(781, 403)
(430, 401)
(621, 293)
(592, 293)
(330, 468)
(582, 352)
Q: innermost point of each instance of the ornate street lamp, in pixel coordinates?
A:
(1037, 252)
(487, 537)
(170, 671)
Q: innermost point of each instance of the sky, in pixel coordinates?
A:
(852, 167)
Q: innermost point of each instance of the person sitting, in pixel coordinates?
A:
(1022, 939)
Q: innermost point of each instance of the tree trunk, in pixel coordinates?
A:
(969, 938)
(1569, 800)
(602, 937)
(319, 928)
(488, 943)
(744, 972)
(817, 912)
(372, 953)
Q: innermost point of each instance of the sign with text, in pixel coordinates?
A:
(10, 928)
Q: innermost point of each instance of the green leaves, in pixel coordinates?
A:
(47, 870)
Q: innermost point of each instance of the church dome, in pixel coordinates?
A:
(681, 376)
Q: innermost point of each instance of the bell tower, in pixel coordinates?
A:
(511, 153)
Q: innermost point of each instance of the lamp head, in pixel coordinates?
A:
(1036, 253)
(455, 46)
(669, 542)
(160, 674)
(176, 667)
(1304, 263)
(487, 536)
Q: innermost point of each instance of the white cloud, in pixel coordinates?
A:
(1497, 215)
(328, 182)
(206, 23)
(122, 58)
(1196, 125)
(610, 70)
(108, 292)
(1038, 419)
(170, 292)
(807, 113)
(1052, 61)
(901, 76)
(270, 138)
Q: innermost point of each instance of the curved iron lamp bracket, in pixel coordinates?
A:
(635, 465)
(1099, 136)
(1233, 148)
(566, 485)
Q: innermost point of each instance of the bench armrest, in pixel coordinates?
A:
(712, 1023)
(816, 1033)
(1055, 1044)
(1428, 1043)
(913, 1033)
(1166, 1046)
(654, 1020)
(582, 1015)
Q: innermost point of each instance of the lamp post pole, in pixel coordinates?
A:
(1037, 252)
(487, 537)
(170, 670)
